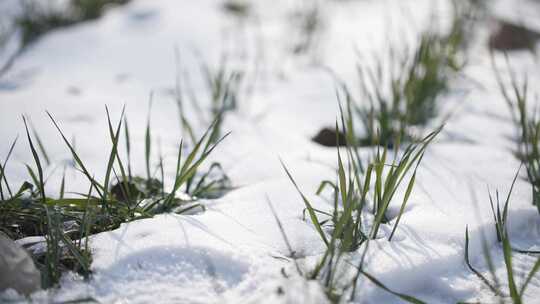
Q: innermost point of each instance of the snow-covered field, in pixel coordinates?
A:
(234, 252)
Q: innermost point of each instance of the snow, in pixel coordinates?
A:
(234, 251)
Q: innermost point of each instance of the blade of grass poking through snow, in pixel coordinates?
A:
(346, 224)
(62, 184)
(514, 293)
(341, 175)
(469, 265)
(78, 254)
(213, 188)
(386, 190)
(489, 260)
(209, 145)
(170, 197)
(112, 156)
(405, 198)
(190, 172)
(122, 185)
(85, 221)
(214, 127)
(41, 185)
(128, 147)
(184, 122)
(349, 190)
(40, 145)
(530, 276)
(1, 181)
(284, 235)
(364, 190)
(404, 297)
(52, 253)
(499, 218)
(507, 252)
(99, 188)
(354, 282)
(148, 140)
(186, 170)
(311, 211)
(3, 172)
(115, 138)
(56, 252)
(347, 123)
(161, 173)
(527, 122)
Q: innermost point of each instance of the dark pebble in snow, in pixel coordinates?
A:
(327, 138)
(511, 37)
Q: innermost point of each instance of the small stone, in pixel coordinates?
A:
(511, 37)
(17, 268)
(327, 138)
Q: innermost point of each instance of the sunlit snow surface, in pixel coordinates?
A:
(234, 252)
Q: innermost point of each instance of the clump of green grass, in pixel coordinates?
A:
(512, 293)
(353, 190)
(344, 229)
(386, 184)
(62, 252)
(403, 91)
(38, 19)
(224, 85)
(92, 9)
(66, 223)
(226, 88)
(526, 118)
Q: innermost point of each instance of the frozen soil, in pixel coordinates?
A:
(234, 251)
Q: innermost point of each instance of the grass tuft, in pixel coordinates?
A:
(66, 223)
(526, 118)
(403, 92)
(342, 229)
(513, 293)
(39, 19)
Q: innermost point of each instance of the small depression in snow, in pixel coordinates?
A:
(182, 265)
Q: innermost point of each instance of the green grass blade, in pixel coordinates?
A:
(311, 211)
(404, 297)
(476, 272)
(112, 155)
(148, 140)
(403, 204)
(40, 145)
(192, 170)
(63, 184)
(3, 172)
(507, 251)
(41, 184)
(128, 146)
(33, 175)
(77, 159)
(284, 235)
(530, 276)
(177, 184)
(324, 184)
(198, 145)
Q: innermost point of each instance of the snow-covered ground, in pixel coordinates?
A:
(234, 252)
